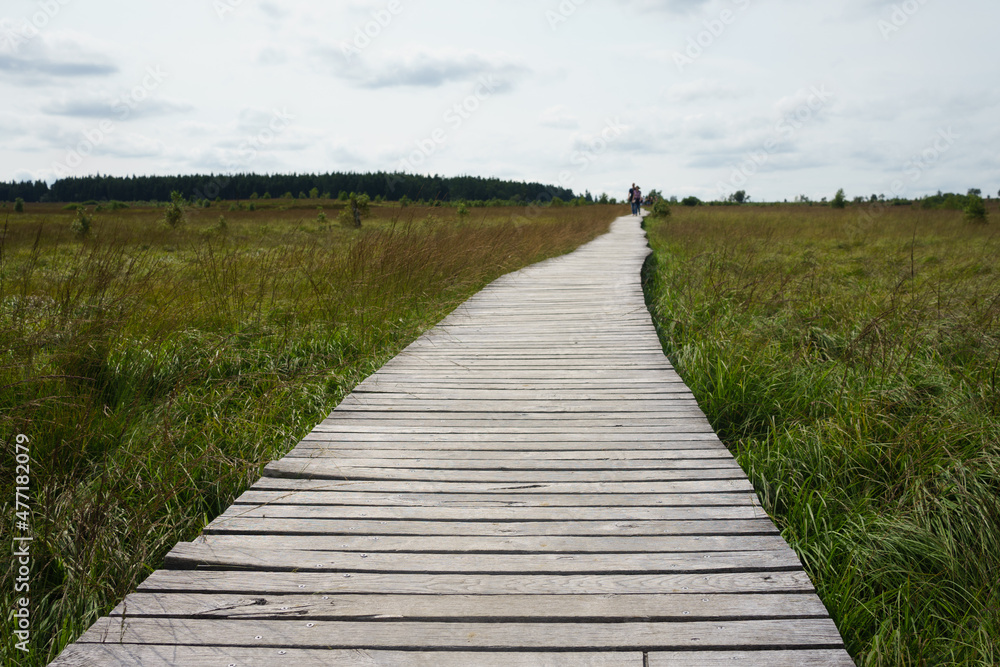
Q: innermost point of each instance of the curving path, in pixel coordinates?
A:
(529, 483)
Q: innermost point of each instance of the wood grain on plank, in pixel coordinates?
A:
(611, 608)
(458, 635)
(133, 655)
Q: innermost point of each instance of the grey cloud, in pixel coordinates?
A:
(22, 67)
(33, 58)
(424, 69)
(102, 108)
(672, 6)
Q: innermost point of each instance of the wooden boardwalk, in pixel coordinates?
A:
(529, 483)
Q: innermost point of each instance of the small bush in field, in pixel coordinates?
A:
(661, 209)
(174, 214)
(18, 205)
(463, 211)
(356, 210)
(975, 209)
(839, 200)
(81, 224)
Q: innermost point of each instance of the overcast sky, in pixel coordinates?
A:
(704, 97)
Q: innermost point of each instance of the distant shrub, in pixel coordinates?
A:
(71, 207)
(254, 196)
(463, 211)
(81, 224)
(661, 209)
(975, 209)
(18, 205)
(91, 202)
(690, 201)
(174, 214)
(314, 193)
(404, 201)
(252, 207)
(557, 202)
(115, 205)
(839, 199)
(343, 196)
(267, 195)
(356, 210)
(288, 195)
(303, 195)
(222, 225)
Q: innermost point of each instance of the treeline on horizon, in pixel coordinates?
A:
(388, 186)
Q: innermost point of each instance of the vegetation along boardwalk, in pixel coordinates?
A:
(529, 483)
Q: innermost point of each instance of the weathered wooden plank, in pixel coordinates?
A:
(582, 501)
(801, 658)
(235, 582)
(762, 526)
(317, 468)
(375, 513)
(463, 463)
(132, 655)
(429, 426)
(680, 406)
(502, 454)
(809, 632)
(526, 489)
(609, 608)
(590, 440)
(514, 443)
(499, 544)
(187, 555)
(643, 421)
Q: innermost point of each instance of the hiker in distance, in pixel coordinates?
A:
(635, 198)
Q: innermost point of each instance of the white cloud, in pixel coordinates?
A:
(559, 117)
(422, 67)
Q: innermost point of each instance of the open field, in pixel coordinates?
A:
(852, 364)
(157, 370)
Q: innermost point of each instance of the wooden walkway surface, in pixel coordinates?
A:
(529, 483)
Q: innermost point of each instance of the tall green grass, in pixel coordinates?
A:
(852, 365)
(157, 370)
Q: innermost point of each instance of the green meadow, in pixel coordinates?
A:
(850, 360)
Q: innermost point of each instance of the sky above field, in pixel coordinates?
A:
(693, 97)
